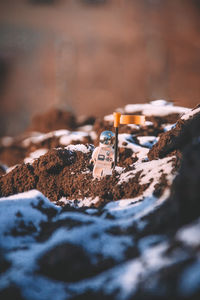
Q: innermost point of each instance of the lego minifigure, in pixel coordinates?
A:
(103, 156)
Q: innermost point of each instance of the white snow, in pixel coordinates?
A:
(156, 108)
(140, 151)
(190, 279)
(109, 118)
(151, 170)
(147, 141)
(168, 127)
(124, 278)
(65, 136)
(40, 137)
(21, 209)
(101, 233)
(86, 202)
(73, 136)
(34, 155)
(150, 241)
(148, 123)
(190, 234)
(85, 128)
(79, 147)
(190, 114)
(8, 170)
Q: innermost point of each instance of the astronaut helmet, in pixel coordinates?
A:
(107, 137)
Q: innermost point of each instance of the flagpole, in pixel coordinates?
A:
(116, 145)
(124, 119)
(117, 116)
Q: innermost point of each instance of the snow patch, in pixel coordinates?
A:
(73, 136)
(79, 147)
(34, 155)
(156, 108)
(190, 234)
(147, 141)
(190, 114)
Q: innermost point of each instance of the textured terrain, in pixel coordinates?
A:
(133, 235)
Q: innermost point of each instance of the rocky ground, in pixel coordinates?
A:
(133, 235)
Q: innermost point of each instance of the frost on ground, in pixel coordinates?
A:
(134, 235)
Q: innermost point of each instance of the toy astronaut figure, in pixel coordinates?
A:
(103, 156)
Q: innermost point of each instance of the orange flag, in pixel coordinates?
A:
(128, 119)
(124, 119)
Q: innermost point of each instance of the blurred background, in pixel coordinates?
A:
(92, 56)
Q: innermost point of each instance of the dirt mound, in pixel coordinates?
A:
(183, 204)
(22, 146)
(65, 173)
(177, 138)
(70, 263)
(73, 131)
(186, 187)
(52, 120)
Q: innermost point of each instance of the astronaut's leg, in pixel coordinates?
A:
(97, 172)
(107, 170)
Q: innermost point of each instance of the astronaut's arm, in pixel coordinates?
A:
(94, 155)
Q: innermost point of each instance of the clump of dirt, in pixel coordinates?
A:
(70, 263)
(52, 120)
(126, 157)
(20, 179)
(161, 186)
(64, 173)
(178, 137)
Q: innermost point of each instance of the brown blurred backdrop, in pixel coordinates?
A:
(92, 56)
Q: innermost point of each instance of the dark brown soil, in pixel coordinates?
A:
(52, 120)
(64, 173)
(126, 157)
(185, 195)
(183, 205)
(70, 263)
(55, 119)
(176, 138)
(161, 186)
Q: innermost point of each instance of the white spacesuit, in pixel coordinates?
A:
(103, 156)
